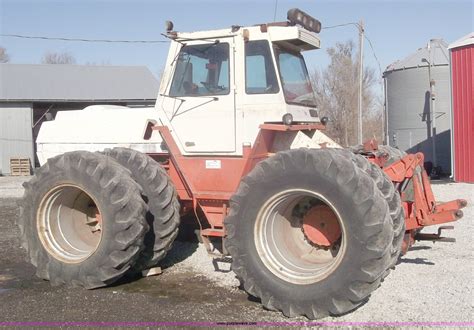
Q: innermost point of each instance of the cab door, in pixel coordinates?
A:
(200, 100)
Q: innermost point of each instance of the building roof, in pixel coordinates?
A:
(64, 82)
(436, 52)
(464, 41)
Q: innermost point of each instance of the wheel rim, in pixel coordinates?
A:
(69, 223)
(283, 245)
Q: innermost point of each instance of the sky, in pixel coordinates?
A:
(395, 28)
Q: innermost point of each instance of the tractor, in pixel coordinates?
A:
(235, 141)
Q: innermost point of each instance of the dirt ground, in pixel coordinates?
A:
(432, 283)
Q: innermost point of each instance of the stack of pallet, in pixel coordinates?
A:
(20, 166)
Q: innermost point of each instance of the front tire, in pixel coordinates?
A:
(332, 279)
(82, 220)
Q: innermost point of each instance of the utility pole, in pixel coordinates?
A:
(361, 77)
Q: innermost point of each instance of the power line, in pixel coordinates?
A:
(373, 53)
(362, 36)
(339, 25)
(365, 37)
(165, 41)
(84, 40)
(275, 12)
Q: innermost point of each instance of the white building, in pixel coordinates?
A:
(33, 93)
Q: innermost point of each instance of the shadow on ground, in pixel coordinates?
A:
(418, 261)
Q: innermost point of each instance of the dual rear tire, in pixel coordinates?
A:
(86, 217)
(279, 262)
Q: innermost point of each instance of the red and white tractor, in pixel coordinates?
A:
(235, 139)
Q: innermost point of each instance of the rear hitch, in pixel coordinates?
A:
(436, 237)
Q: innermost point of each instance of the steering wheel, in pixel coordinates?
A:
(268, 89)
(207, 86)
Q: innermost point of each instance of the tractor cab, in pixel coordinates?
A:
(219, 86)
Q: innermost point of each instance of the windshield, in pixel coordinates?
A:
(202, 70)
(294, 78)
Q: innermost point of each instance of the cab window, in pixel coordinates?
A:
(260, 76)
(294, 78)
(201, 70)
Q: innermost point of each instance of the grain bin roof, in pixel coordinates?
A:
(436, 52)
(63, 82)
(464, 41)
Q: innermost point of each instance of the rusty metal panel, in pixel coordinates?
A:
(463, 112)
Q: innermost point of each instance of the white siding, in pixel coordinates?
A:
(16, 136)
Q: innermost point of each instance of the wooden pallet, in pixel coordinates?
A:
(20, 166)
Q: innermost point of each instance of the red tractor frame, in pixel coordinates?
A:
(209, 192)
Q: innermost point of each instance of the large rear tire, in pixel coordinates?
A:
(163, 216)
(406, 188)
(392, 196)
(392, 155)
(276, 258)
(82, 220)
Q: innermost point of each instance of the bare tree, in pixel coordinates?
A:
(58, 58)
(4, 58)
(336, 89)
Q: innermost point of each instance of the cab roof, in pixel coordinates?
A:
(280, 33)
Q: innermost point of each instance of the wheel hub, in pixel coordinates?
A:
(94, 219)
(282, 244)
(321, 227)
(69, 223)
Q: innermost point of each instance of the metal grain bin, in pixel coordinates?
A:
(418, 104)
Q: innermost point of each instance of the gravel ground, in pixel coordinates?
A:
(433, 282)
(11, 186)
